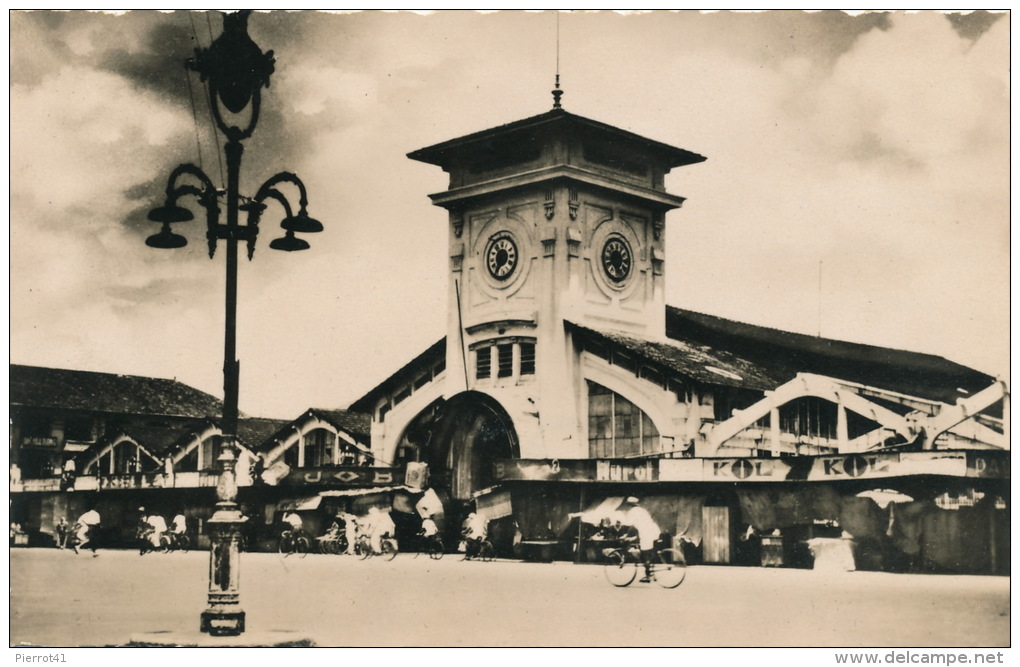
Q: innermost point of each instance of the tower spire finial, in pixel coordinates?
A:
(557, 93)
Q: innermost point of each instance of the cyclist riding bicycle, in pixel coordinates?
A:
(380, 527)
(474, 531)
(647, 532)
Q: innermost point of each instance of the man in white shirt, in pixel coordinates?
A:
(648, 531)
(381, 526)
(158, 524)
(87, 524)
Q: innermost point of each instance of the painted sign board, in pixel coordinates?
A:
(343, 477)
(871, 465)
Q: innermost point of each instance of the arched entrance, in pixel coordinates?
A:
(460, 439)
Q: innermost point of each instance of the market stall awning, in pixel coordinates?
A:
(299, 504)
(346, 493)
(603, 509)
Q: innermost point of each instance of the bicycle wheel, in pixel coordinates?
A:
(183, 543)
(670, 570)
(166, 544)
(618, 571)
(286, 544)
(363, 549)
(435, 548)
(389, 549)
(302, 545)
(486, 552)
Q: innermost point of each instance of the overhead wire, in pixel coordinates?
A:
(191, 97)
(212, 120)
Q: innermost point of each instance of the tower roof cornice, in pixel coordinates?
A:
(447, 152)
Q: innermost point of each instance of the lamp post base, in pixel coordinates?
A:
(220, 622)
(254, 638)
(224, 616)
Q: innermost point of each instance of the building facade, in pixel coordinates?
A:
(565, 382)
(81, 440)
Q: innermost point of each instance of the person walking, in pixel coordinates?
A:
(88, 524)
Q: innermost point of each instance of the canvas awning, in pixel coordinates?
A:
(344, 493)
(603, 509)
(299, 504)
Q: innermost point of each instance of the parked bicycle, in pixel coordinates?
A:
(623, 564)
(332, 544)
(174, 542)
(292, 542)
(387, 548)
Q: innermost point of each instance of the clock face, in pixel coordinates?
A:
(616, 259)
(501, 257)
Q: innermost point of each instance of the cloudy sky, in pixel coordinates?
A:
(857, 181)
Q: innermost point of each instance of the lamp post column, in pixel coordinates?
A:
(236, 70)
(224, 617)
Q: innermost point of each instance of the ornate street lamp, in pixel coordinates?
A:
(236, 70)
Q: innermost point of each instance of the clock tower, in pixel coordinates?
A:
(553, 219)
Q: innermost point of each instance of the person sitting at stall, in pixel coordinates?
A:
(62, 530)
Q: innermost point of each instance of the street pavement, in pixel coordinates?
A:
(60, 599)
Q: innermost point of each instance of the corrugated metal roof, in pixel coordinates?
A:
(780, 355)
(696, 362)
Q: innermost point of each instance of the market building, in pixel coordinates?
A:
(82, 439)
(565, 383)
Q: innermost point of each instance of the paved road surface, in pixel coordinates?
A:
(59, 599)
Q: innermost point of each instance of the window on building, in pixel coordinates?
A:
(210, 452)
(483, 363)
(78, 429)
(317, 444)
(617, 428)
(809, 417)
(188, 462)
(290, 455)
(527, 358)
(505, 360)
(35, 426)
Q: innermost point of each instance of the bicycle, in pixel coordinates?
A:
(387, 548)
(668, 567)
(294, 543)
(332, 544)
(174, 542)
(480, 549)
(431, 545)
